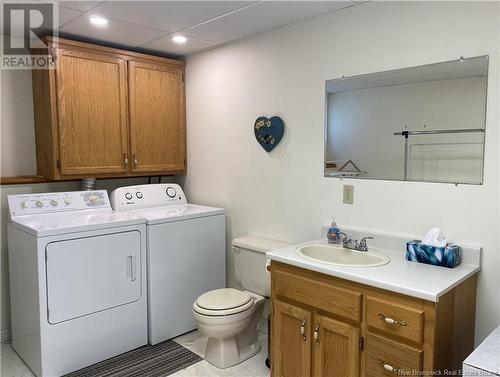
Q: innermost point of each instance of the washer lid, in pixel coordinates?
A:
(166, 214)
(223, 299)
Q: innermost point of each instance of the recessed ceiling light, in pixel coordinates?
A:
(98, 21)
(179, 39)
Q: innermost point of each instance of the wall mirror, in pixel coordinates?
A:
(423, 123)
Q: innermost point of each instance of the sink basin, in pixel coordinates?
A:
(339, 256)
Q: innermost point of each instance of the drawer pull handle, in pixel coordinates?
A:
(303, 330)
(125, 160)
(316, 334)
(389, 367)
(134, 157)
(392, 321)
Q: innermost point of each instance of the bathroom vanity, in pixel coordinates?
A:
(394, 319)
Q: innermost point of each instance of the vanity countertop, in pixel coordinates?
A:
(399, 275)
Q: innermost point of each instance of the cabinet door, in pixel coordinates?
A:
(156, 117)
(92, 112)
(291, 343)
(336, 348)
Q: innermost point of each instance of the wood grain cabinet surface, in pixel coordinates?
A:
(362, 331)
(104, 112)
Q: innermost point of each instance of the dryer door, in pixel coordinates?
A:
(88, 275)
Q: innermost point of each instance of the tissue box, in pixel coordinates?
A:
(447, 256)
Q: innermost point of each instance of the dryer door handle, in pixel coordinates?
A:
(132, 267)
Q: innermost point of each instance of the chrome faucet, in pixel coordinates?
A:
(362, 244)
(352, 244)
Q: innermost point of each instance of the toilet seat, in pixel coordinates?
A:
(222, 302)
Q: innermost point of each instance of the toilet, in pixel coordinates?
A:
(229, 316)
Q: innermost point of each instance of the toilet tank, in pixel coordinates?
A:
(250, 263)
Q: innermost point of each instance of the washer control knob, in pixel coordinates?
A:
(39, 203)
(139, 195)
(171, 192)
(54, 203)
(128, 196)
(67, 200)
(24, 204)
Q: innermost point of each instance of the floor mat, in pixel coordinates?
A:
(159, 360)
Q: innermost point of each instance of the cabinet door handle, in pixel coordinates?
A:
(390, 368)
(125, 160)
(392, 321)
(316, 334)
(303, 330)
(134, 158)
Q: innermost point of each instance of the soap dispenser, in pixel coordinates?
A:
(333, 233)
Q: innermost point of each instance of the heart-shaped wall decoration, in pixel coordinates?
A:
(269, 132)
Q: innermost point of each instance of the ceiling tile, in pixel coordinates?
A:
(165, 44)
(167, 15)
(83, 6)
(261, 17)
(115, 32)
(65, 15)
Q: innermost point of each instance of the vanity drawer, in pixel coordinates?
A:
(385, 357)
(395, 319)
(321, 295)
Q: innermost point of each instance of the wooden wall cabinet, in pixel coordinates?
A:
(330, 327)
(105, 112)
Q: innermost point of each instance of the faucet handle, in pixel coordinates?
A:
(362, 244)
(345, 238)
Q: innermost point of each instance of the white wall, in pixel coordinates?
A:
(17, 132)
(362, 123)
(283, 194)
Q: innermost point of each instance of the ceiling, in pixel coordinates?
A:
(149, 25)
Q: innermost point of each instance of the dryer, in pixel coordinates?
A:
(186, 253)
(77, 280)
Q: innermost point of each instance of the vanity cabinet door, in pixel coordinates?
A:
(336, 348)
(291, 340)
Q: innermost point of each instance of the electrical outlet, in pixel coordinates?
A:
(348, 194)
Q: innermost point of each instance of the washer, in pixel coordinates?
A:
(77, 280)
(186, 253)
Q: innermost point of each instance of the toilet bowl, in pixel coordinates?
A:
(230, 325)
(229, 316)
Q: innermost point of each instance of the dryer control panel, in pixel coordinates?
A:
(147, 196)
(31, 204)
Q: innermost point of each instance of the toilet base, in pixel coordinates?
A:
(232, 340)
(224, 353)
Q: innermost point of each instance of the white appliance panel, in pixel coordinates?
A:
(147, 196)
(31, 204)
(88, 275)
(185, 259)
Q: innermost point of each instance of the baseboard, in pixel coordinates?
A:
(5, 334)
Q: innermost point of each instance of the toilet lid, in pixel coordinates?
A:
(223, 299)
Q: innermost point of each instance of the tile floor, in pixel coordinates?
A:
(13, 366)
